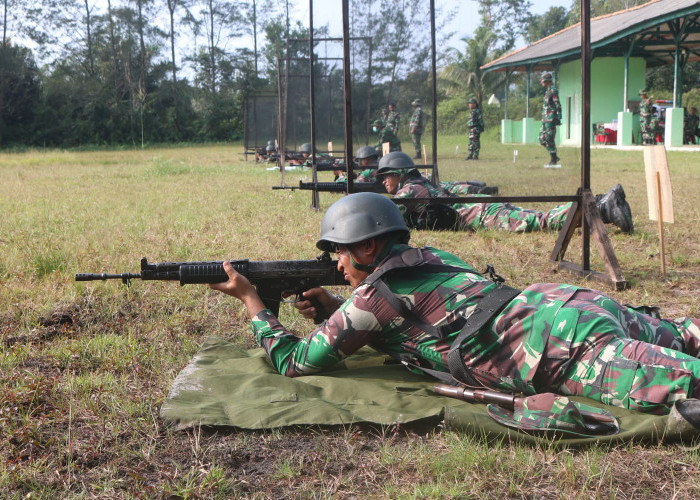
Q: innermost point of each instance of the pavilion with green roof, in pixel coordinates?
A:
(623, 45)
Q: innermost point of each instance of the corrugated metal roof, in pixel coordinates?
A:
(652, 27)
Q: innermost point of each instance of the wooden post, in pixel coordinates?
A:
(662, 249)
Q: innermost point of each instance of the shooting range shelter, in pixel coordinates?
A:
(356, 88)
(623, 45)
(260, 117)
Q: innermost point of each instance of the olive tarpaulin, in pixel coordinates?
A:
(224, 385)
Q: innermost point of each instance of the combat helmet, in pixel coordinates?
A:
(269, 148)
(472, 100)
(305, 148)
(642, 92)
(270, 142)
(359, 217)
(396, 162)
(416, 102)
(366, 152)
(546, 77)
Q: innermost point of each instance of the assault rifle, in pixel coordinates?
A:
(272, 279)
(337, 187)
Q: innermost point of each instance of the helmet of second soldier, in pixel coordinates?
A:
(546, 77)
(269, 148)
(472, 100)
(396, 162)
(305, 148)
(359, 217)
(416, 102)
(366, 152)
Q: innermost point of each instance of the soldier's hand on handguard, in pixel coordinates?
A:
(239, 287)
(305, 305)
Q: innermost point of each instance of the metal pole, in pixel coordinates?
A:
(505, 95)
(314, 175)
(369, 94)
(676, 71)
(347, 95)
(436, 176)
(281, 156)
(527, 94)
(586, 120)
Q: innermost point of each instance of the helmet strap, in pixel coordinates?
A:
(389, 244)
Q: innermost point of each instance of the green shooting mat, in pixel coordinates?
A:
(224, 385)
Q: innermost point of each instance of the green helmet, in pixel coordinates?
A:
(269, 148)
(378, 123)
(366, 152)
(642, 92)
(359, 217)
(395, 162)
(305, 148)
(270, 142)
(416, 102)
(472, 100)
(546, 77)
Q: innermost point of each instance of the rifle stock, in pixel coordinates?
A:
(272, 279)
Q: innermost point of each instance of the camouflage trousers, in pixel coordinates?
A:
(474, 144)
(507, 217)
(648, 133)
(548, 132)
(620, 356)
(415, 139)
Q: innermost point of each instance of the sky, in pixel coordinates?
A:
(463, 24)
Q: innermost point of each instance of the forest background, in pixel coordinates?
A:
(84, 73)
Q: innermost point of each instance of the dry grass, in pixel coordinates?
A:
(85, 367)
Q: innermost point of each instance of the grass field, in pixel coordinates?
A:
(84, 368)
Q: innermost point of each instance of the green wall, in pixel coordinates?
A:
(607, 92)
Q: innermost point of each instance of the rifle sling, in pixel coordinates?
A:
(488, 307)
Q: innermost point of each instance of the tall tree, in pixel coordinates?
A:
(543, 25)
(507, 19)
(602, 7)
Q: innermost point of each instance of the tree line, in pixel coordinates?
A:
(130, 72)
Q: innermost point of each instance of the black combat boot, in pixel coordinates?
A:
(470, 157)
(613, 208)
(553, 159)
(417, 157)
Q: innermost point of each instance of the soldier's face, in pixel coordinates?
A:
(392, 108)
(391, 183)
(366, 162)
(359, 254)
(472, 105)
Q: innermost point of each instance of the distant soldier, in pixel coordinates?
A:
(476, 127)
(551, 117)
(367, 156)
(690, 126)
(385, 114)
(415, 128)
(393, 119)
(385, 134)
(647, 119)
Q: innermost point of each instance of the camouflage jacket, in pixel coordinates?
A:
(393, 120)
(416, 125)
(551, 107)
(368, 175)
(414, 185)
(645, 111)
(387, 135)
(476, 121)
(504, 353)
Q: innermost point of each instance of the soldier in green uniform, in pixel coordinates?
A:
(475, 125)
(385, 134)
(551, 117)
(433, 312)
(403, 180)
(690, 126)
(415, 128)
(647, 119)
(393, 119)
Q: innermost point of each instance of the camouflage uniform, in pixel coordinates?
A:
(415, 128)
(551, 117)
(386, 134)
(368, 175)
(476, 127)
(392, 121)
(473, 216)
(550, 337)
(690, 127)
(647, 121)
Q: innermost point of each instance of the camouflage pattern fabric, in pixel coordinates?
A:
(459, 188)
(415, 128)
(551, 117)
(550, 337)
(386, 134)
(475, 125)
(690, 128)
(392, 121)
(368, 175)
(473, 216)
(647, 121)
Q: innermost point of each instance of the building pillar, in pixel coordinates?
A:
(506, 131)
(673, 133)
(530, 131)
(625, 128)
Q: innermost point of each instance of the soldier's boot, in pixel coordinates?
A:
(553, 159)
(418, 156)
(613, 208)
(492, 190)
(475, 157)
(470, 157)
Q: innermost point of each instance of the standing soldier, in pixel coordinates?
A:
(646, 119)
(416, 126)
(551, 117)
(690, 126)
(385, 134)
(476, 127)
(393, 119)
